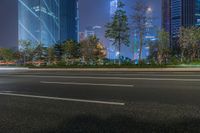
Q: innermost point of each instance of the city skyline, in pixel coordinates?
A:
(85, 19)
(103, 14)
(99, 66)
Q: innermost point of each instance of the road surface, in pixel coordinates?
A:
(121, 102)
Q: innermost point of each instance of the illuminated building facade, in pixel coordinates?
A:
(197, 13)
(113, 7)
(69, 20)
(47, 22)
(179, 13)
(166, 15)
(111, 48)
(151, 32)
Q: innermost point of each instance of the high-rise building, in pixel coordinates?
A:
(47, 21)
(180, 13)
(166, 15)
(113, 7)
(197, 13)
(69, 20)
(111, 48)
(150, 34)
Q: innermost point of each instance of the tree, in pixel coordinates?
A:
(195, 41)
(38, 52)
(58, 52)
(184, 42)
(101, 51)
(198, 42)
(140, 20)
(88, 49)
(71, 50)
(163, 46)
(153, 52)
(118, 29)
(50, 55)
(16, 56)
(6, 54)
(26, 49)
(189, 42)
(91, 50)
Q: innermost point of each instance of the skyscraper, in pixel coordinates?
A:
(150, 34)
(111, 48)
(69, 20)
(166, 15)
(113, 7)
(179, 13)
(47, 21)
(197, 13)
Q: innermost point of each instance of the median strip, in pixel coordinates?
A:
(63, 99)
(86, 84)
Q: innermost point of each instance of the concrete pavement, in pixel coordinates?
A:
(189, 69)
(120, 69)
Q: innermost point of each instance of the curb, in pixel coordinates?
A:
(13, 68)
(121, 69)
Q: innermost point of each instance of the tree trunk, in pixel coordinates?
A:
(119, 49)
(119, 53)
(193, 54)
(182, 55)
(24, 59)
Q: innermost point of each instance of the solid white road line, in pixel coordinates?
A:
(152, 75)
(63, 99)
(107, 78)
(87, 84)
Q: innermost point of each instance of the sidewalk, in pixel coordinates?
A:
(13, 68)
(120, 69)
(103, 69)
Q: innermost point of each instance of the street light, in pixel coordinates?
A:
(117, 54)
(149, 9)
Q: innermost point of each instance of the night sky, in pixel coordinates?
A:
(92, 12)
(8, 23)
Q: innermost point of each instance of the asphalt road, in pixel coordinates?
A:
(90, 102)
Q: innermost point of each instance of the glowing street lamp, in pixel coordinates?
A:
(117, 53)
(149, 9)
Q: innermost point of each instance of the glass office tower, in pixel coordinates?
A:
(166, 15)
(111, 48)
(179, 13)
(113, 7)
(184, 13)
(47, 22)
(176, 16)
(69, 20)
(197, 13)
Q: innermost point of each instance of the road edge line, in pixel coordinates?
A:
(63, 99)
